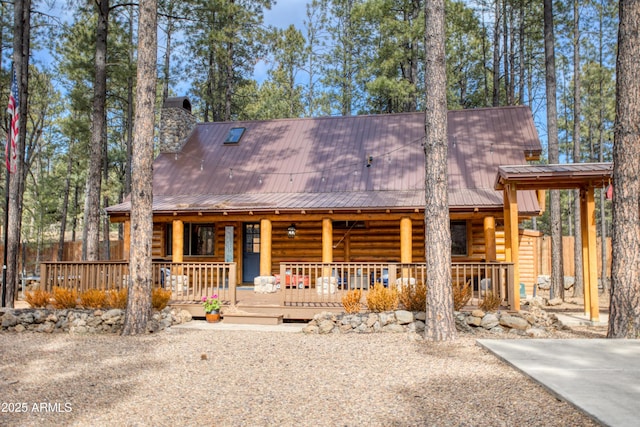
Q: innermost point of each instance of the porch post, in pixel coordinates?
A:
(177, 245)
(590, 269)
(265, 247)
(126, 244)
(489, 238)
(406, 241)
(511, 241)
(327, 244)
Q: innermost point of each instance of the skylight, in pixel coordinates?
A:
(234, 135)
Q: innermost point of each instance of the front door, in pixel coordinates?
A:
(250, 252)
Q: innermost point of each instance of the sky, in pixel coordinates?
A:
(283, 14)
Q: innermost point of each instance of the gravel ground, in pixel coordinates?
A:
(249, 378)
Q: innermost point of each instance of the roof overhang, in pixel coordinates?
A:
(554, 177)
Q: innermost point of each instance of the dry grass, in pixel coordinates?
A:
(64, 298)
(93, 298)
(414, 297)
(351, 301)
(491, 301)
(381, 299)
(461, 295)
(160, 298)
(38, 298)
(117, 299)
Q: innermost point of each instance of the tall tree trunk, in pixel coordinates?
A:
(21, 48)
(557, 273)
(496, 56)
(140, 284)
(90, 233)
(505, 57)
(578, 287)
(521, 41)
(127, 172)
(65, 202)
(603, 214)
(439, 324)
(624, 313)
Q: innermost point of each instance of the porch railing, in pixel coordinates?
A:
(325, 284)
(188, 282)
(301, 284)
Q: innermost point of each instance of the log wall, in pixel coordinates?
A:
(379, 241)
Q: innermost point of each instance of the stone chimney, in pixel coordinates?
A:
(176, 124)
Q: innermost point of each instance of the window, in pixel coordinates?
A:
(199, 239)
(234, 135)
(458, 238)
(252, 238)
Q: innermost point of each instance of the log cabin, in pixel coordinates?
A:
(276, 196)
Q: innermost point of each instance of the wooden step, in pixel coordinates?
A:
(252, 318)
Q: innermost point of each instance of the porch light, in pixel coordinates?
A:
(291, 231)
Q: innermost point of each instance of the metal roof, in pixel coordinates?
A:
(354, 162)
(558, 176)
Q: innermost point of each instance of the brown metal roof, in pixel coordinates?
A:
(321, 163)
(561, 176)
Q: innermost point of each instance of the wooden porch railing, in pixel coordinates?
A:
(301, 284)
(309, 284)
(188, 282)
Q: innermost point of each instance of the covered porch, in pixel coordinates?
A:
(301, 289)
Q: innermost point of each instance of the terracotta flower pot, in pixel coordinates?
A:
(213, 317)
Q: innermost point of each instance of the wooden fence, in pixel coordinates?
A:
(544, 257)
(32, 254)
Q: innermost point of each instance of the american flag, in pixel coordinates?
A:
(14, 128)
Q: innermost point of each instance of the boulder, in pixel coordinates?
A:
(478, 313)
(394, 328)
(404, 317)
(489, 321)
(514, 322)
(474, 320)
(325, 326)
(9, 320)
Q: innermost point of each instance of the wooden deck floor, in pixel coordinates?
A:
(252, 302)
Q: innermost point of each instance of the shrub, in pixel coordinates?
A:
(93, 298)
(491, 301)
(38, 298)
(351, 301)
(381, 299)
(64, 297)
(160, 298)
(414, 297)
(461, 295)
(117, 298)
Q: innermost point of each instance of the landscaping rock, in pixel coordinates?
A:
(404, 317)
(9, 320)
(325, 326)
(490, 321)
(478, 313)
(474, 320)
(80, 321)
(514, 322)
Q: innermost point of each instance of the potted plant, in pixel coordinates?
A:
(211, 307)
